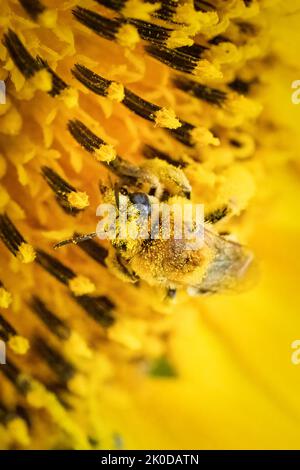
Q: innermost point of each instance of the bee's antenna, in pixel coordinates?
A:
(75, 240)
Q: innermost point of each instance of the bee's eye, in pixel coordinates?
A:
(142, 200)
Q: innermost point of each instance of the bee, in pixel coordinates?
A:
(172, 262)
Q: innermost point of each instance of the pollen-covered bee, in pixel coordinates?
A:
(196, 258)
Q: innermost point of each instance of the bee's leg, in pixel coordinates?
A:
(216, 215)
(118, 266)
(76, 240)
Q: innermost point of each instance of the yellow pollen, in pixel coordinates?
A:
(26, 253)
(166, 117)
(81, 285)
(18, 429)
(76, 344)
(203, 137)
(5, 106)
(240, 104)
(106, 153)
(5, 298)
(186, 14)
(179, 39)
(125, 334)
(139, 10)
(115, 92)
(207, 71)
(48, 18)
(128, 36)
(69, 97)
(78, 385)
(42, 80)
(39, 397)
(19, 344)
(11, 123)
(4, 197)
(79, 200)
(224, 53)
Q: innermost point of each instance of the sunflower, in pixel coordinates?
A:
(179, 100)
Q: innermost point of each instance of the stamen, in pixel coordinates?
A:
(134, 28)
(151, 32)
(23, 413)
(181, 59)
(150, 152)
(79, 285)
(150, 111)
(161, 35)
(99, 308)
(247, 28)
(67, 196)
(57, 326)
(54, 267)
(183, 134)
(112, 29)
(196, 50)
(34, 8)
(218, 40)
(15, 376)
(162, 117)
(24, 384)
(139, 9)
(192, 136)
(27, 65)
(93, 144)
(167, 9)
(62, 394)
(60, 366)
(58, 85)
(6, 415)
(164, 9)
(116, 5)
(205, 93)
(6, 330)
(14, 241)
(91, 80)
(201, 5)
(17, 343)
(93, 249)
(241, 86)
(101, 25)
(235, 143)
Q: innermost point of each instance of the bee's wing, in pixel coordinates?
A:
(231, 268)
